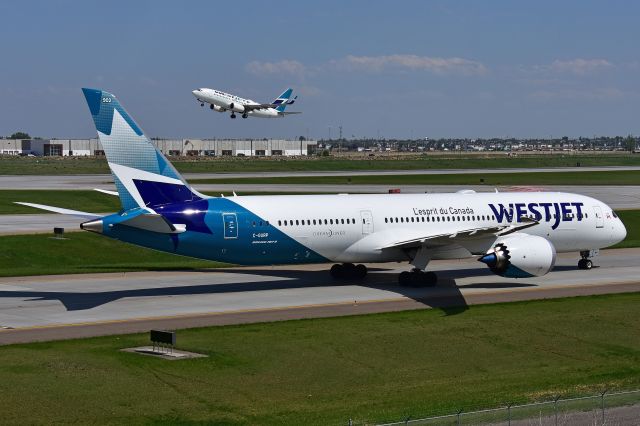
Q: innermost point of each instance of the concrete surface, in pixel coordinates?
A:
(58, 307)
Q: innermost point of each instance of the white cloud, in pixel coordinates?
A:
(576, 66)
(416, 63)
(285, 66)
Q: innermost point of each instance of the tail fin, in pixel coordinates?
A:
(283, 100)
(143, 176)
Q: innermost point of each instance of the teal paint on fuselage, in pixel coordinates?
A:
(256, 243)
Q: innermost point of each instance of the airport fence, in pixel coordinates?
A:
(606, 408)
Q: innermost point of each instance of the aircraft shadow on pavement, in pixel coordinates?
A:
(446, 295)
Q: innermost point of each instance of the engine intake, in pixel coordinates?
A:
(520, 256)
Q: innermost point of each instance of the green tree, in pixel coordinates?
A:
(630, 143)
(20, 135)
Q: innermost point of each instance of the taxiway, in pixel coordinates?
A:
(71, 306)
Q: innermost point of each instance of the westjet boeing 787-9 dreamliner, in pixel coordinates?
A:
(516, 234)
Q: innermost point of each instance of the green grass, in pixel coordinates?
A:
(58, 165)
(83, 252)
(369, 368)
(533, 178)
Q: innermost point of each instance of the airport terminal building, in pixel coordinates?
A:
(169, 147)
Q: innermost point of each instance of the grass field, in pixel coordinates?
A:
(533, 178)
(58, 165)
(369, 368)
(84, 252)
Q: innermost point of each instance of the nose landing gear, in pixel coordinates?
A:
(585, 262)
(233, 115)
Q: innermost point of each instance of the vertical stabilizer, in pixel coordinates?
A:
(143, 176)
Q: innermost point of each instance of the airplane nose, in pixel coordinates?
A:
(195, 92)
(622, 230)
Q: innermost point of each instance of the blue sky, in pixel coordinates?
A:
(397, 69)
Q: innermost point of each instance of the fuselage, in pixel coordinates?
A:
(263, 230)
(222, 101)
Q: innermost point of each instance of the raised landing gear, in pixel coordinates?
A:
(585, 262)
(417, 278)
(348, 271)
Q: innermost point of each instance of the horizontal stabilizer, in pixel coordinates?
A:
(106, 191)
(60, 210)
(154, 223)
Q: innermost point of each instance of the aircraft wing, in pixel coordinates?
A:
(462, 235)
(253, 107)
(289, 112)
(153, 222)
(60, 210)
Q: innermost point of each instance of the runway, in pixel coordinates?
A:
(72, 306)
(105, 181)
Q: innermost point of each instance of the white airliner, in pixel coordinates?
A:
(222, 102)
(517, 234)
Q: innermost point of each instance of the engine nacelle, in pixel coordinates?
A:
(236, 108)
(218, 108)
(520, 256)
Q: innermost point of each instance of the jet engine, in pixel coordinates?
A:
(520, 256)
(236, 108)
(218, 108)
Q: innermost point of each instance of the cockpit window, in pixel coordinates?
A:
(614, 214)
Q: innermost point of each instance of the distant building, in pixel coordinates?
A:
(170, 147)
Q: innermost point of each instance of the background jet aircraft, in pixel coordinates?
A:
(222, 101)
(517, 234)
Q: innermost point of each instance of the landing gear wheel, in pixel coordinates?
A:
(245, 115)
(360, 271)
(201, 105)
(210, 106)
(404, 279)
(585, 264)
(336, 271)
(233, 116)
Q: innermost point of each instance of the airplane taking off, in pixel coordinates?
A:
(222, 102)
(517, 234)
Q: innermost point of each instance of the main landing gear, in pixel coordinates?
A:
(348, 271)
(585, 262)
(417, 278)
(245, 115)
